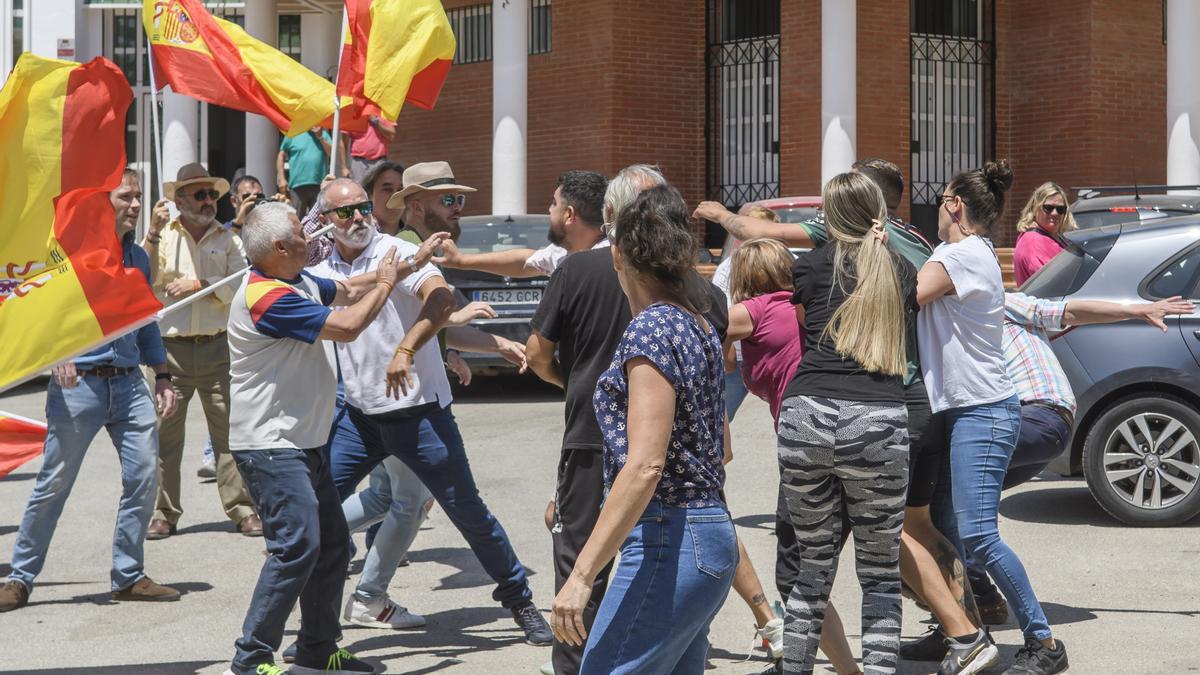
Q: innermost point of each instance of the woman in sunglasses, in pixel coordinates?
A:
(1043, 222)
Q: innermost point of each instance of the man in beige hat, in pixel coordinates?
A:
(186, 255)
(432, 201)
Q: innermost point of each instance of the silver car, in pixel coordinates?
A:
(1138, 423)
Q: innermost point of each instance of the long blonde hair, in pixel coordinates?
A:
(759, 266)
(869, 326)
(1028, 219)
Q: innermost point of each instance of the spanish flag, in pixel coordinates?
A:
(21, 440)
(64, 288)
(217, 61)
(395, 51)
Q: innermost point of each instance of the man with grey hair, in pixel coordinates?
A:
(282, 384)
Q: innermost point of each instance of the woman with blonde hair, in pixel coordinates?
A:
(843, 425)
(1044, 220)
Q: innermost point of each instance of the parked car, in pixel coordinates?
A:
(514, 300)
(789, 210)
(1138, 422)
(1100, 206)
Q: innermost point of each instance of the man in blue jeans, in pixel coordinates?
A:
(283, 385)
(102, 388)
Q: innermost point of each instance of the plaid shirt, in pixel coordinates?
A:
(1029, 360)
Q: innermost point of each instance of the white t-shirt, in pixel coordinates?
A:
(960, 336)
(364, 361)
(282, 379)
(720, 279)
(547, 258)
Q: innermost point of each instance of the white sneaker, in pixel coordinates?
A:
(772, 637)
(387, 615)
(547, 668)
(208, 469)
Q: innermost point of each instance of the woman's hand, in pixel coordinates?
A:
(566, 614)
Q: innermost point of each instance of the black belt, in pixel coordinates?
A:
(105, 371)
(1062, 412)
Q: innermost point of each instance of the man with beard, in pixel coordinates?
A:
(187, 255)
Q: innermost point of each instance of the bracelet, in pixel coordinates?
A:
(405, 350)
(163, 376)
(199, 285)
(154, 240)
(390, 286)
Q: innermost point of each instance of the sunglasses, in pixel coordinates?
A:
(942, 199)
(200, 195)
(1054, 208)
(346, 212)
(450, 201)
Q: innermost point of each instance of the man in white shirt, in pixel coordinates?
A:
(407, 413)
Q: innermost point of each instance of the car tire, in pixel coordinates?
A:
(1123, 482)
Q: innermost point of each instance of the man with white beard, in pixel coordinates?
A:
(188, 254)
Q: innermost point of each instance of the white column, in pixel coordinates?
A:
(262, 140)
(510, 55)
(1183, 96)
(319, 42)
(839, 81)
(181, 132)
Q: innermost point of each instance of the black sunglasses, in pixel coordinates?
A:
(1054, 208)
(942, 199)
(200, 194)
(345, 212)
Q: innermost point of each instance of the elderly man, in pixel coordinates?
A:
(102, 388)
(187, 255)
(408, 413)
(283, 383)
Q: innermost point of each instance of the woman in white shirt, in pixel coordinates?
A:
(960, 327)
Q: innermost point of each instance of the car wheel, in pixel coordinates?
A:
(1142, 460)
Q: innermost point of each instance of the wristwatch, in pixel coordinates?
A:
(163, 376)
(411, 261)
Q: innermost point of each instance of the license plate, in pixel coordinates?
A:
(509, 296)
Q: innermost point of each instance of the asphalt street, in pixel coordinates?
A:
(1124, 600)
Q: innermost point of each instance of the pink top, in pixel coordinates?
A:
(772, 353)
(368, 144)
(1034, 249)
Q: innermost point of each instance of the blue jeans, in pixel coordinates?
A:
(124, 407)
(735, 391)
(427, 440)
(982, 440)
(396, 497)
(308, 546)
(675, 570)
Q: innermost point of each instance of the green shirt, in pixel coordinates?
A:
(409, 235)
(307, 160)
(913, 247)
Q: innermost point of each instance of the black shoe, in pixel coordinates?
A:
(931, 647)
(537, 631)
(340, 662)
(1037, 659)
(289, 654)
(970, 658)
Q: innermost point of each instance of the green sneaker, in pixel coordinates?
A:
(269, 669)
(341, 662)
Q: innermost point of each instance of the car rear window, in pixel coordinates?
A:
(797, 214)
(1068, 271)
(1090, 219)
(502, 235)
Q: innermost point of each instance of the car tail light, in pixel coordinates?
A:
(1123, 209)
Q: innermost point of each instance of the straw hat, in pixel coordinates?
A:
(431, 176)
(194, 174)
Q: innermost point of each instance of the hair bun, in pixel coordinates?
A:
(999, 175)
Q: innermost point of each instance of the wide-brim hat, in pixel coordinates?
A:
(194, 174)
(426, 176)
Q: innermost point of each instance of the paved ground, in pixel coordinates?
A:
(1124, 600)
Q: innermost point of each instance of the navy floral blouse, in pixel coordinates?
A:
(689, 356)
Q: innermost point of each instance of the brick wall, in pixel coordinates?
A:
(883, 85)
(800, 98)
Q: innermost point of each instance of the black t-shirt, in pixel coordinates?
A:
(822, 371)
(585, 312)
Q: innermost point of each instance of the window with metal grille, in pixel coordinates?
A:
(539, 27)
(289, 35)
(472, 28)
(18, 28)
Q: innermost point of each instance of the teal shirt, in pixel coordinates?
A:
(308, 163)
(911, 246)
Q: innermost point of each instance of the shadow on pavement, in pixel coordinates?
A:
(470, 573)
(8, 529)
(34, 386)
(105, 598)
(23, 475)
(760, 521)
(448, 635)
(134, 669)
(213, 526)
(1064, 501)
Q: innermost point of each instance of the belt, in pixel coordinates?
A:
(195, 339)
(105, 371)
(1062, 412)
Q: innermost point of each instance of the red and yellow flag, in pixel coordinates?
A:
(395, 51)
(21, 440)
(217, 61)
(64, 288)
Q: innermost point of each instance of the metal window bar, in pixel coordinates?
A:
(289, 35)
(472, 28)
(952, 87)
(540, 40)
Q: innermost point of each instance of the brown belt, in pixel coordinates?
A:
(195, 339)
(105, 371)
(1059, 410)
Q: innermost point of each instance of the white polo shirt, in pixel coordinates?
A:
(364, 362)
(547, 258)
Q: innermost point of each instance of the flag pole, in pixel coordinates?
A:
(156, 131)
(337, 102)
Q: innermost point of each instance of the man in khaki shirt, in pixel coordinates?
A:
(187, 255)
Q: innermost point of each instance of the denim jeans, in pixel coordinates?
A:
(308, 547)
(735, 391)
(982, 439)
(427, 440)
(675, 570)
(124, 407)
(396, 497)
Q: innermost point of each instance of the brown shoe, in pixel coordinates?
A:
(146, 590)
(250, 526)
(994, 614)
(13, 595)
(159, 529)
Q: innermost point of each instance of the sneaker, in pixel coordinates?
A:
(772, 637)
(340, 662)
(289, 654)
(263, 669)
(931, 647)
(207, 470)
(387, 615)
(537, 631)
(146, 590)
(13, 595)
(1037, 659)
(547, 668)
(967, 659)
(994, 613)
